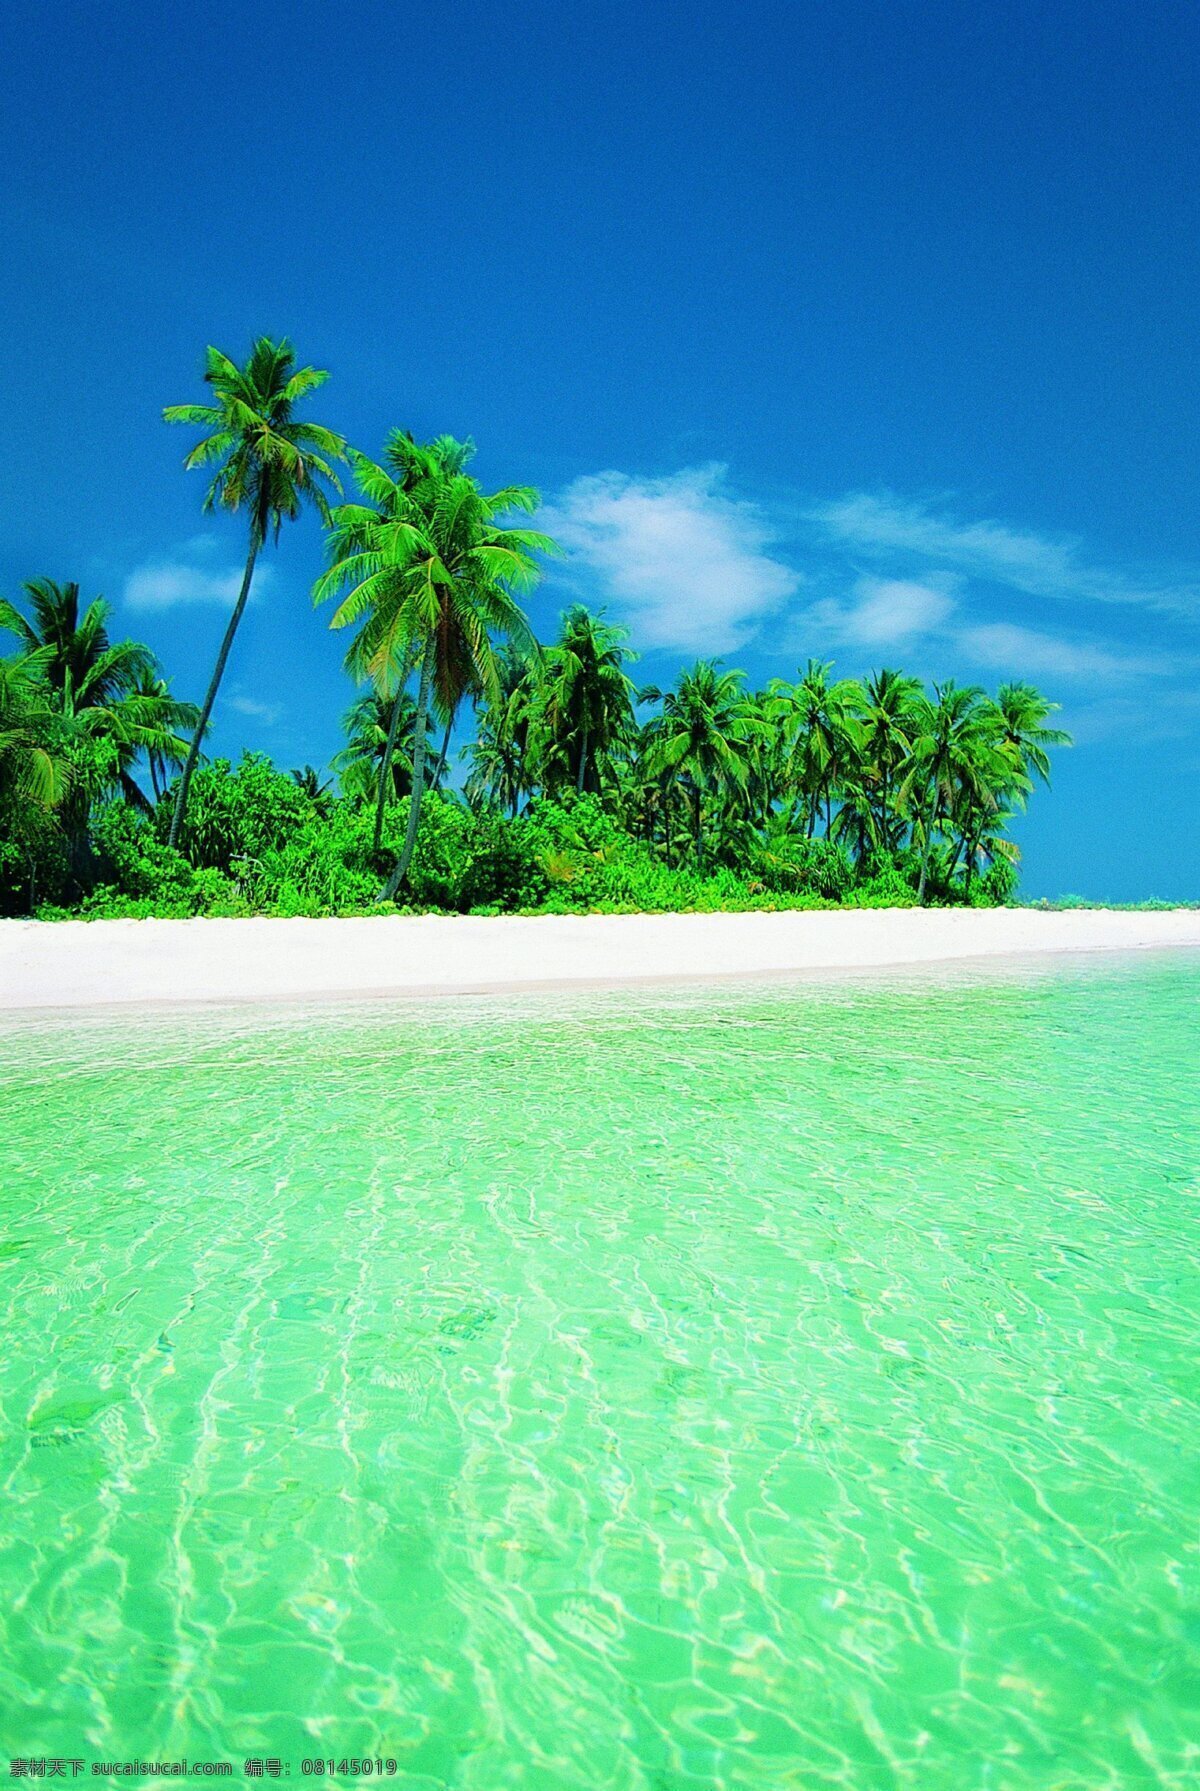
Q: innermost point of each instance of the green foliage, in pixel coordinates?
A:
(790, 864)
(997, 888)
(239, 816)
(888, 888)
(33, 857)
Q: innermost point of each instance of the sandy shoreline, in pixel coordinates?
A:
(98, 963)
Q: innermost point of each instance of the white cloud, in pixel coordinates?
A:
(268, 713)
(1028, 652)
(885, 612)
(889, 612)
(176, 580)
(684, 563)
(1036, 565)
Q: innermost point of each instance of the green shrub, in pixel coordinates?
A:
(888, 888)
(792, 865)
(240, 814)
(997, 888)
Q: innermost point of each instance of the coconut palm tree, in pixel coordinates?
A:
(169, 724)
(82, 666)
(113, 690)
(312, 786)
(33, 764)
(888, 715)
(427, 564)
(959, 762)
(1024, 712)
(377, 756)
(587, 699)
(499, 755)
(266, 463)
(822, 735)
(704, 733)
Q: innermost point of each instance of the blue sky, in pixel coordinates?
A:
(856, 330)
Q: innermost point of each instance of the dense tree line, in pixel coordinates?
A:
(578, 788)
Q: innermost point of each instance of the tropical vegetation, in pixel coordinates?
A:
(573, 787)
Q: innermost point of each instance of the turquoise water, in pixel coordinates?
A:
(731, 1387)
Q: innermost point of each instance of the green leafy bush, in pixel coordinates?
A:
(238, 814)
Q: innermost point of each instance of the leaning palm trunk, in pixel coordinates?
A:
(385, 769)
(420, 728)
(925, 845)
(581, 774)
(256, 536)
(441, 764)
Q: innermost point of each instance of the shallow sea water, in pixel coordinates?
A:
(736, 1386)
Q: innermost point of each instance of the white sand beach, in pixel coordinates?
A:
(73, 964)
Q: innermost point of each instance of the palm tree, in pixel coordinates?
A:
(82, 666)
(1023, 713)
(112, 690)
(958, 763)
(266, 463)
(312, 786)
(821, 734)
(857, 823)
(375, 726)
(499, 754)
(889, 709)
(704, 732)
(427, 565)
(587, 698)
(33, 765)
(171, 723)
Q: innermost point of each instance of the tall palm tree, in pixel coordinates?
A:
(958, 762)
(112, 690)
(499, 754)
(82, 665)
(704, 733)
(427, 564)
(33, 765)
(587, 697)
(375, 727)
(821, 734)
(266, 463)
(889, 711)
(1024, 712)
(165, 744)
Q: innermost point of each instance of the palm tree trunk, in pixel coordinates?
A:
(441, 764)
(256, 537)
(699, 830)
(583, 751)
(385, 769)
(928, 841)
(420, 728)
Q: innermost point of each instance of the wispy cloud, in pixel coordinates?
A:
(267, 713)
(183, 577)
(1173, 716)
(685, 563)
(880, 524)
(1028, 652)
(884, 612)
